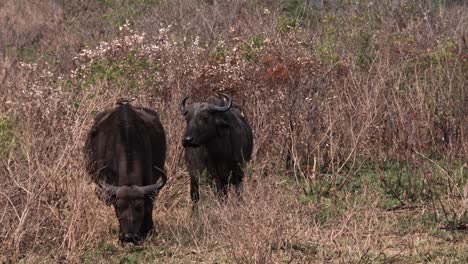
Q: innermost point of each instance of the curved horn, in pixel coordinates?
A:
(150, 189)
(222, 108)
(182, 105)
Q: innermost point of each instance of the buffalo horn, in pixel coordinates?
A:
(149, 189)
(182, 105)
(222, 108)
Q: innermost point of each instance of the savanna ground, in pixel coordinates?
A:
(359, 110)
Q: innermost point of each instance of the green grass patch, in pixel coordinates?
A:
(7, 138)
(285, 24)
(328, 210)
(220, 51)
(129, 254)
(298, 12)
(28, 54)
(394, 186)
(251, 48)
(133, 256)
(103, 251)
(326, 49)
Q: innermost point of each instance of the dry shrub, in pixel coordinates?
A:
(371, 84)
(253, 228)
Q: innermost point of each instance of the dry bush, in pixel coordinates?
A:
(252, 229)
(337, 98)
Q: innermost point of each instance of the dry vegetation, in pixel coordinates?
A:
(360, 115)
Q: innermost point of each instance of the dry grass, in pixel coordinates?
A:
(360, 116)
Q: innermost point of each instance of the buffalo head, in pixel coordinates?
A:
(204, 121)
(131, 206)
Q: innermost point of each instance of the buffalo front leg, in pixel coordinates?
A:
(147, 226)
(194, 192)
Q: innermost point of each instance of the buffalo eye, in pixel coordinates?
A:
(205, 117)
(187, 116)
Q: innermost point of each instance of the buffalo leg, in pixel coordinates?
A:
(148, 224)
(221, 187)
(237, 177)
(194, 192)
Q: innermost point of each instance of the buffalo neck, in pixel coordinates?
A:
(219, 148)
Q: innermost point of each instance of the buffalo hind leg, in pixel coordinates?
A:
(147, 226)
(236, 178)
(221, 188)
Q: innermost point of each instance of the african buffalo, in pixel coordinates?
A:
(125, 152)
(218, 139)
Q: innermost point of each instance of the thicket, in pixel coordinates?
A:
(342, 96)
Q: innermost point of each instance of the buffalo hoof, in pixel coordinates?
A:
(130, 238)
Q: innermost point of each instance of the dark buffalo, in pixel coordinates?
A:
(125, 154)
(218, 139)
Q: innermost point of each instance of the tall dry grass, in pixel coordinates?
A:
(329, 93)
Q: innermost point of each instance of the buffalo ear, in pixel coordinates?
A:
(110, 200)
(104, 196)
(106, 193)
